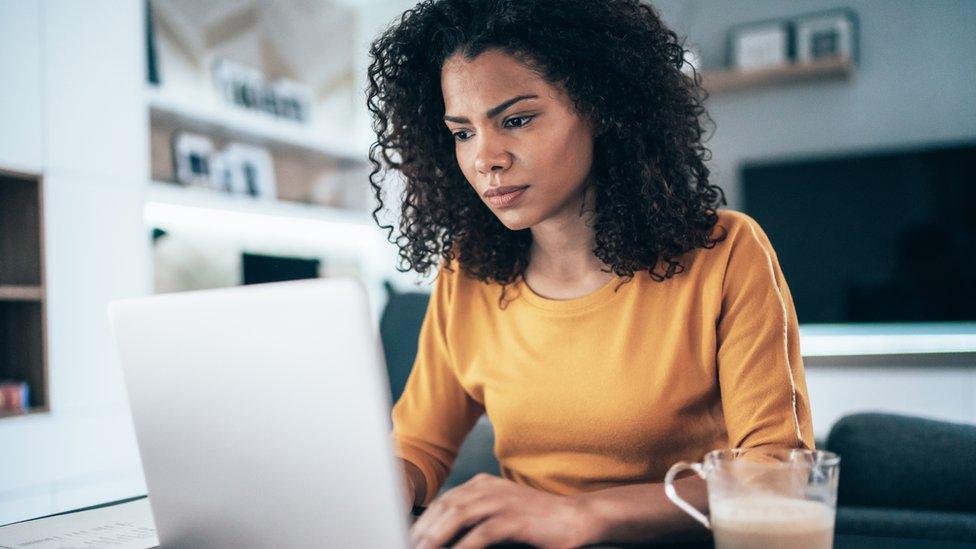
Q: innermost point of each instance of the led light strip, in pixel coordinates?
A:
(305, 230)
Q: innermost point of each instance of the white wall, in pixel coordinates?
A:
(942, 392)
(79, 102)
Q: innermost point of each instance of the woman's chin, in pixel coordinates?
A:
(515, 221)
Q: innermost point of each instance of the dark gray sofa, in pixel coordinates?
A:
(905, 476)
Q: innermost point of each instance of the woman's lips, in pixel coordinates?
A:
(507, 198)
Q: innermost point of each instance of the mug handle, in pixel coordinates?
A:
(673, 494)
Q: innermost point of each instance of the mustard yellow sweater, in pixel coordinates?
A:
(613, 387)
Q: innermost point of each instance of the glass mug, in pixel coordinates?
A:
(765, 497)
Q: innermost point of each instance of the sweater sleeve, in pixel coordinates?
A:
(763, 387)
(434, 413)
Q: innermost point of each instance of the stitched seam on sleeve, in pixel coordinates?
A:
(786, 349)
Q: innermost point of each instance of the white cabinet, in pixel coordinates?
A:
(72, 110)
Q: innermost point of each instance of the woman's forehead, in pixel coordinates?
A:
(487, 80)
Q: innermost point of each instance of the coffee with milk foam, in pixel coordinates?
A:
(770, 522)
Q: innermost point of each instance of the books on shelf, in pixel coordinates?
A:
(14, 396)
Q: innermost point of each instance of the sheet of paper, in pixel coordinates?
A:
(124, 526)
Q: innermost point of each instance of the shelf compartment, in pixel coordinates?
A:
(22, 344)
(23, 332)
(20, 231)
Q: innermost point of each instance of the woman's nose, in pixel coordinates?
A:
(491, 157)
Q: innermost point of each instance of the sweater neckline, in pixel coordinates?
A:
(599, 296)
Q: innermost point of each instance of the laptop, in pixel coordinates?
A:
(262, 416)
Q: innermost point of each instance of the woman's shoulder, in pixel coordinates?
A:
(738, 239)
(735, 224)
(746, 245)
(737, 230)
(461, 289)
(452, 277)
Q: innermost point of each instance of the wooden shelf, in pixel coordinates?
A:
(730, 80)
(21, 293)
(30, 411)
(217, 118)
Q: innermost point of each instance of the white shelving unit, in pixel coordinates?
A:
(211, 116)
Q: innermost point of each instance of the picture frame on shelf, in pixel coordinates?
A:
(826, 34)
(193, 155)
(221, 174)
(246, 170)
(760, 44)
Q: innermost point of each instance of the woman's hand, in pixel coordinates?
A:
(495, 510)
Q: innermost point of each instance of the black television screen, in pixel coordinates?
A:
(259, 269)
(881, 237)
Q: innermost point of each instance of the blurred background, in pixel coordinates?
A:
(170, 145)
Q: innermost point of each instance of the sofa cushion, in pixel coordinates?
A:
(900, 523)
(894, 461)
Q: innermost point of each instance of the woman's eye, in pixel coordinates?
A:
(519, 121)
(514, 122)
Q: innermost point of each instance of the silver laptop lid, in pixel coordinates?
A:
(262, 416)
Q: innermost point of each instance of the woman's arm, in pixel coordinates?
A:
(488, 510)
(435, 413)
(416, 484)
(642, 513)
(760, 367)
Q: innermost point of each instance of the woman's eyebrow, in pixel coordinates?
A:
(492, 112)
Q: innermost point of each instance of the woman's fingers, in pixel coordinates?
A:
(444, 526)
(456, 510)
(493, 530)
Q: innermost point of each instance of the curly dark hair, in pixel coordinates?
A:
(621, 67)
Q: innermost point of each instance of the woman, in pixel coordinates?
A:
(592, 300)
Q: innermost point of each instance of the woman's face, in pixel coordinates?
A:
(513, 131)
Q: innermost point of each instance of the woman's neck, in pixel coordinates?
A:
(561, 261)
